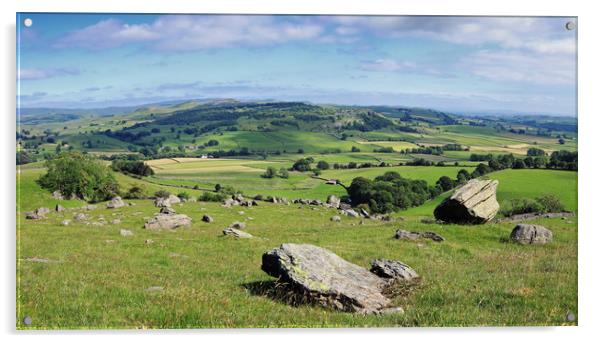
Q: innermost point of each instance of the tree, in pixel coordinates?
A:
(519, 164)
(269, 173)
(23, 158)
(81, 175)
(463, 176)
(302, 165)
(561, 141)
(283, 173)
(535, 152)
(323, 165)
(446, 183)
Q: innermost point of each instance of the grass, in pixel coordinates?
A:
(474, 278)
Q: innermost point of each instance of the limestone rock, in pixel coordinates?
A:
(335, 219)
(126, 233)
(326, 278)
(78, 217)
(238, 225)
(167, 210)
(116, 202)
(236, 233)
(168, 222)
(38, 213)
(172, 199)
(333, 201)
(413, 235)
(393, 270)
(531, 234)
(473, 203)
(59, 208)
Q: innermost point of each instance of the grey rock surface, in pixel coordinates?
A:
(168, 222)
(473, 203)
(236, 233)
(393, 270)
(116, 202)
(531, 234)
(326, 278)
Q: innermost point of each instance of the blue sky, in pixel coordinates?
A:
(462, 64)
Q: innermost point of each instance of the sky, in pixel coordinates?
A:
(461, 64)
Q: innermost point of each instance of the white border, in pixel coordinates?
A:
(590, 111)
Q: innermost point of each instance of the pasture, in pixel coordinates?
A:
(196, 278)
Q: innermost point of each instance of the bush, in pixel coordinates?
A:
(283, 173)
(544, 204)
(132, 167)
(323, 165)
(79, 174)
(446, 183)
(215, 197)
(269, 173)
(162, 194)
(136, 192)
(183, 196)
(389, 192)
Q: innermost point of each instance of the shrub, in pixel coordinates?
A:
(323, 165)
(136, 192)
(79, 174)
(269, 173)
(216, 197)
(162, 194)
(544, 204)
(283, 173)
(446, 183)
(551, 203)
(184, 196)
(132, 167)
(258, 197)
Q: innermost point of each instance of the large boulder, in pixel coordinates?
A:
(473, 203)
(167, 221)
(116, 202)
(325, 278)
(393, 270)
(531, 234)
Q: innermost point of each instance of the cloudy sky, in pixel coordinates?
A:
(462, 64)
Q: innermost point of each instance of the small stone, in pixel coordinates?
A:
(335, 218)
(148, 241)
(126, 233)
(236, 233)
(65, 222)
(207, 218)
(59, 208)
(238, 225)
(394, 270)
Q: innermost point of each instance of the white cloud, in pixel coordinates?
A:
(545, 69)
(193, 32)
(45, 73)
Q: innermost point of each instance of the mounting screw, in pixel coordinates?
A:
(27, 320)
(27, 22)
(570, 25)
(570, 317)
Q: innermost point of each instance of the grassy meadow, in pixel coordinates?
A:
(196, 278)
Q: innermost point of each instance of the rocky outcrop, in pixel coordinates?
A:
(413, 235)
(326, 279)
(393, 270)
(116, 202)
(531, 234)
(473, 203)
(167, 222)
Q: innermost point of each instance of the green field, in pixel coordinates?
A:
(473, 278)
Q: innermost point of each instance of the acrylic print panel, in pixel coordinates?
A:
(236, 171)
